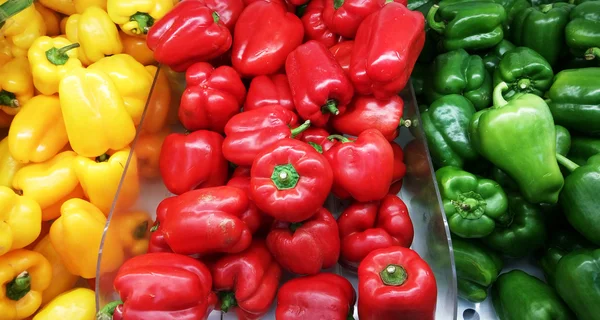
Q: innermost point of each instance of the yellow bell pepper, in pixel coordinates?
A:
(51, 19)
(77, 234)
(48, 182)
(45, 231)
(77, 304)
(25, 275)
(82, 5)
(16, 85)
(66, 7)
(6, 51)
(100, 179)
(137, 48)
(94, 113)
(8, 165)
(51, 59)
(132, 80)
(97, 34)
(72, 33)
(147, 151)
(52, 212)
(133, 229)
(23, 28)
(135, 17)
(160, 102)
(20, 221)
(38, 131)
(62, 279)
(63, 26)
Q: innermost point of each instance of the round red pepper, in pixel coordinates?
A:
(256, 220)
(314, 26)
(269, 90)
(399, 169)
(317, 137)
(343, 53)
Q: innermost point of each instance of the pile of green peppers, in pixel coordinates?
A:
(509, 93)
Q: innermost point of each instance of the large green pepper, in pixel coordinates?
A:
(582, 148)
(457, 72)
(492, 58)
(583, 31)
(524, 233)
(512, 8)
(542, 29)
(579, 197)
(519, 137)
(468, 24)
(477, 268)
(446, 127)
(561, 243)
(517, 295)
(576, 281)
(574, 100)
(524, 71)
(472, 205)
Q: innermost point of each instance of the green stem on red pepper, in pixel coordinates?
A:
(19, 286)
(331, 107)
(437, 26)
(155, 226)
(316, 146)
(570, 165)
(393, 275)
(294, 226)
(140, 230)
(216, 17)
(107, 312)
(298, 130)
(144, 21)
(228, 301)
(337, 4)
(58, 56)
(285, 176)
(341, 138)
(592, 53)
(8, 99)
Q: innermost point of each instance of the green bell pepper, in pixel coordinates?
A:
(472, 205)
(517, 295)
(519, 137)
(582, 148)
(477, 268)
(492, 58)
(512, 8)
(417, 77)
(579, 197)
(524, 71)
(524, 233)
(561, 243)
(577, 282)
(563, 140)
(583, 31)
(574, 100)
(468, 24)
(457, 72)
(422, 6)
(542, 29)
(446, 127)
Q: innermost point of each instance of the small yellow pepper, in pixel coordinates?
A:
(24, 275)
(51, 19)
(77, 234)
(52, 212)
(160, 102)
(38, 131)
(133, 229)
(51, 59)
(97, 34)
(16, 85)
(66, 7)
(100, 179)
(147, 150)
(132, 80)
(82, 5)
(6, 50)
(136, 17)
(23, 28)
(72, 32)
(8, 165)
(137, 48)
(94, 113)
(77, 304)
(20, 221)
(48, 182)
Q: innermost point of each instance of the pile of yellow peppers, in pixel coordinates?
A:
(75, 78)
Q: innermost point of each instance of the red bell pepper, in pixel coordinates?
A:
(366, 112)
(204, 221)
(264, 36)
(344, 16)
(399, 169)
(191, 32)
(366, 226)
(343, 53)
(319, 85)
(289, 6)
(229, 10)
(290, 180)
(179, 156)
(317, 137)
(321, 296)
(314, 26)
(269, 90)
(161, 286)
(248, 133)
(211, 97)
(247, 281)
(306, 247)
(386, 47)
(257, 221)
(395, 283)
(369, 175)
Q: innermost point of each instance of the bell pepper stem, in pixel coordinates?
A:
(8, 99)
(300, 10)
(294, 226)
(337, 4)
(341, 138)
(155, 226)
(524, 84)
(298, 130)
(405, 123)
(316, 146)
(565, 162)
(546, 8)
(437, 26)
(19, 286)
(216, 17)
(285, 176)
(59, 57)
(140, 230)
(144, 22)
(102, 158)
(393, 275)
(331, 107)
(499, 100)
(107, 312)
(227, 301)
(592, 53)
(12, 7)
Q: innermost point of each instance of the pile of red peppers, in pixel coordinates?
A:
(287, 102)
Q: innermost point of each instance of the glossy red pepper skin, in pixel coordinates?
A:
(367, 226)
(344, 16)
(179, 157)
(191, 32)
(269, 90)
(164, 286)
(365, 112)
(289, 6)
(290, 180)
(399, 169)
(256, 220)
(343, 53)
(319, 85)
(247, 281)
(211, 97)
(369, 175)
(386, 47)
(317, 137)
(308, 246)
(314, 26)
(248, 133)
(395, 283)
(264, 36)
(229, 11)
(321, 296)
(204, 221)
